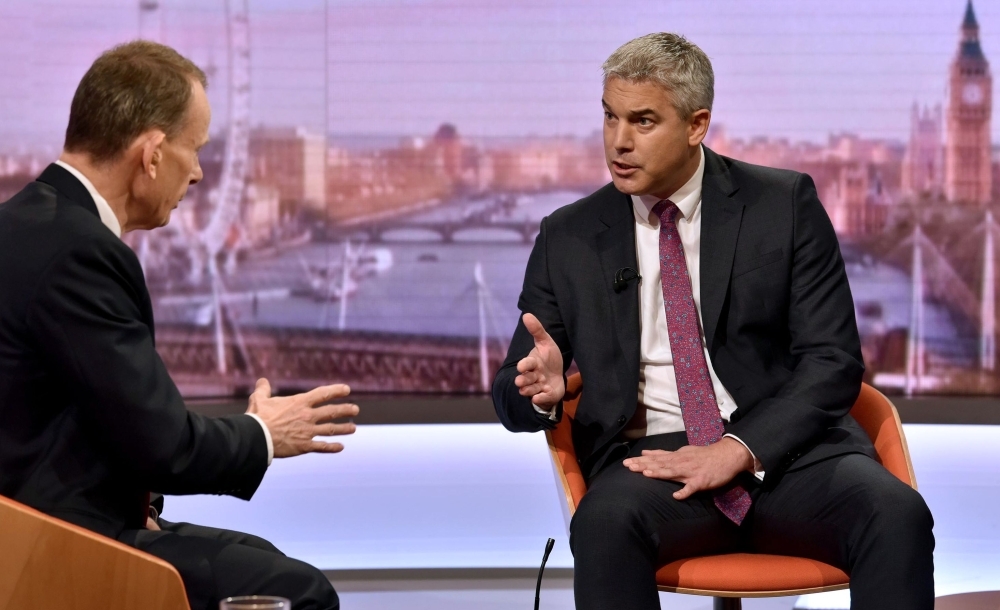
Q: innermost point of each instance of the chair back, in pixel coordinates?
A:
(872, 410)
(880, 420)
(49, 563)
(567, 471)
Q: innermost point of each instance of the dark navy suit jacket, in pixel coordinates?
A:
(776, 306)
(90, 421)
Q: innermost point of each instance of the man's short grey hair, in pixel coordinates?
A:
(671, 61)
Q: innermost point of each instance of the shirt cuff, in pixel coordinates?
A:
(758, 468)
(551, 413)
(270, 443)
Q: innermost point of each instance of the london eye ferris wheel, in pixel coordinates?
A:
(209, 240)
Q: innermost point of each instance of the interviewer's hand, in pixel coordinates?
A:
(698, 468)
(541, 371)
(293, 421)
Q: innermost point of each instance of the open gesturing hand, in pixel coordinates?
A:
(294, 421)
(541, 371)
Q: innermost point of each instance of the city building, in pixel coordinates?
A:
(377, 183)
(446, 146)
(292, 161)
(857, 179)
(856, 200)
(559, 162)
(923, 165)
(261, 214)
(968, 171)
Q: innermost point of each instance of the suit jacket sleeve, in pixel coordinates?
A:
(86, 316)
(823, 340)
(516, 412)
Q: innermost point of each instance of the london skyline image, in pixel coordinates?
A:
(378, 171)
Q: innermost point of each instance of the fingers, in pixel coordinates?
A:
(545, 398)
(323, 447)
(685, 492)
(644, 465)
(535, 389)
(261, 391)
(654, 457)
(658, 465)
(336, 429)
(528, 364)
(529, 379)
(530, 382)
(326, 393)
(305, 440)
(536, 329)
(337, 411)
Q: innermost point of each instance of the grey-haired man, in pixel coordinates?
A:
(714, 415)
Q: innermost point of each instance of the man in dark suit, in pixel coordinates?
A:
(90, 421)
(706, 305)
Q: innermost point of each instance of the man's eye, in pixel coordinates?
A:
(645, 122)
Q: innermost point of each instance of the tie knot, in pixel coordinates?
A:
(666, 211)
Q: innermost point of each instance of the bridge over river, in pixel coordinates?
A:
(300, 359)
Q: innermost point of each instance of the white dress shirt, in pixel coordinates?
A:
(109, 220)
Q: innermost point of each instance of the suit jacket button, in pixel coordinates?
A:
(622, 420)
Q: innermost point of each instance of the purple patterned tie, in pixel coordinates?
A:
(699, 409)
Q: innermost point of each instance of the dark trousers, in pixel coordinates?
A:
(215, 564)
(847, 511)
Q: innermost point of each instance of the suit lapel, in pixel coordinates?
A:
(616, 249)
(721, 216)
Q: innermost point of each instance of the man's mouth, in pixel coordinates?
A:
(623, 169)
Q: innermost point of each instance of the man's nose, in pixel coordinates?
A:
(623, 138)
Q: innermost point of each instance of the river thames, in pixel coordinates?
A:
(415, 282)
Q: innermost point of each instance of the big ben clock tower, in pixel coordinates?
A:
(968, 175)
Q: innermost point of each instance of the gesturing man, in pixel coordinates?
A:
(90, 421)
(706, 304)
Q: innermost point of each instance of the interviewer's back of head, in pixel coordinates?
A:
(130, 89)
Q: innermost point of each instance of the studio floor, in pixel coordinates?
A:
(451, 516)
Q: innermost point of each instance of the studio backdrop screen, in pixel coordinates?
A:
(378, 169)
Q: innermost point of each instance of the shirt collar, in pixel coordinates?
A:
(104, 210)
(687, 198)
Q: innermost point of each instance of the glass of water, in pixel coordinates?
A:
(255, 602)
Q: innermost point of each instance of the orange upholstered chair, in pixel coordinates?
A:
(729, 578)
(48, 563)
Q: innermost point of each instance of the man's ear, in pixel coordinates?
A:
(698, 126)
(152, 151)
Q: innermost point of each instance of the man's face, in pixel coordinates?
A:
(648, 146)
(178, 165)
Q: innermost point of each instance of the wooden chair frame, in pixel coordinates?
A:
(48, 563)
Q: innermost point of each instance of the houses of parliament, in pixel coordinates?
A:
(961, 170)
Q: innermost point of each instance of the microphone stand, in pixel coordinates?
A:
(538, 586)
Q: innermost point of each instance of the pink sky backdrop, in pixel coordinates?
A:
(783, 68)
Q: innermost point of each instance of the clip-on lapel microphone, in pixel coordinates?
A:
(623, 276)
